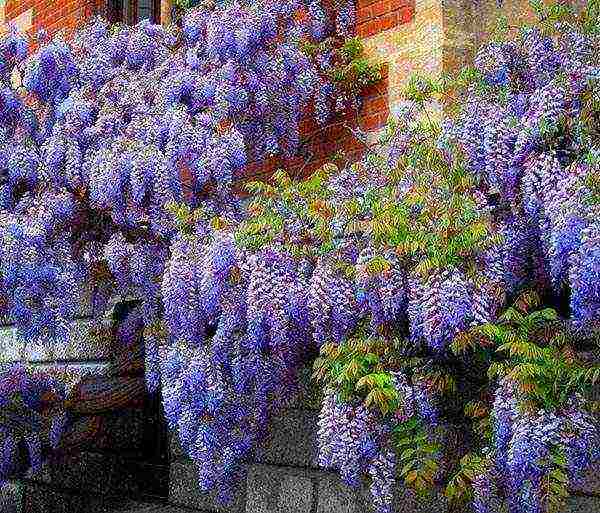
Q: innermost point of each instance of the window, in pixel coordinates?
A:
(133, 11)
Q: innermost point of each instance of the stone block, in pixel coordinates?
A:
(43, 475)
(295, 494)
(70, 503)
(137, 478)
(583, 505)
(270, 488)
(175, 447)
(184, 491)
(591, 482)
(38, 498)
(11, 498)
(124, 430)
(87, 471)
(310, 393)
(335, 497)
(293, 439)
(406, 501)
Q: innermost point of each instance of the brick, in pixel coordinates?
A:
(405, 15)
(380, 8)
(363, 14)
(364, 3)
(370, 122)
(398, 4)
(388, 21)
(375, 104)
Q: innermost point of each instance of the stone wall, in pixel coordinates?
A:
(113, 447)
(113, 473)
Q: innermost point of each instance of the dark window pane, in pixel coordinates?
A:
(144, 10)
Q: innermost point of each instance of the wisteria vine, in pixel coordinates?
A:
(448, 281)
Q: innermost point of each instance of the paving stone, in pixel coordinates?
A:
(11, 498)
(184, 490)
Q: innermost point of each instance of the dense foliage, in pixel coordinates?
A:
(449, 280)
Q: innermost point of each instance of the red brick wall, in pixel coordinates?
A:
(373, 17)
(54, 15)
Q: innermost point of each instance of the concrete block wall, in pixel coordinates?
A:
(286, 479)
(104, 454)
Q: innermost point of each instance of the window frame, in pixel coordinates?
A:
(125, 11)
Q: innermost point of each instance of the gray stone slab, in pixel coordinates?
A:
(87, 471)
(591, 483)
(310, 393)
(295, 494)
(11, 497)
(184, 490)
(583, 505)
(69, 503)
(122, 430)
(175, 447)
(38, 498)
(43, 475)
(282, 489)
(335, 497)
(293, 440)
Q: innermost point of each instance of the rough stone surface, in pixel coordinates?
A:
(286, 490)
(183, 490)
(583, 505)
(295, 494)
(85, 471)
(38, 498)
(335, 497)
(293, 439)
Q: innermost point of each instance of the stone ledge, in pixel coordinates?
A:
(81, 345)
